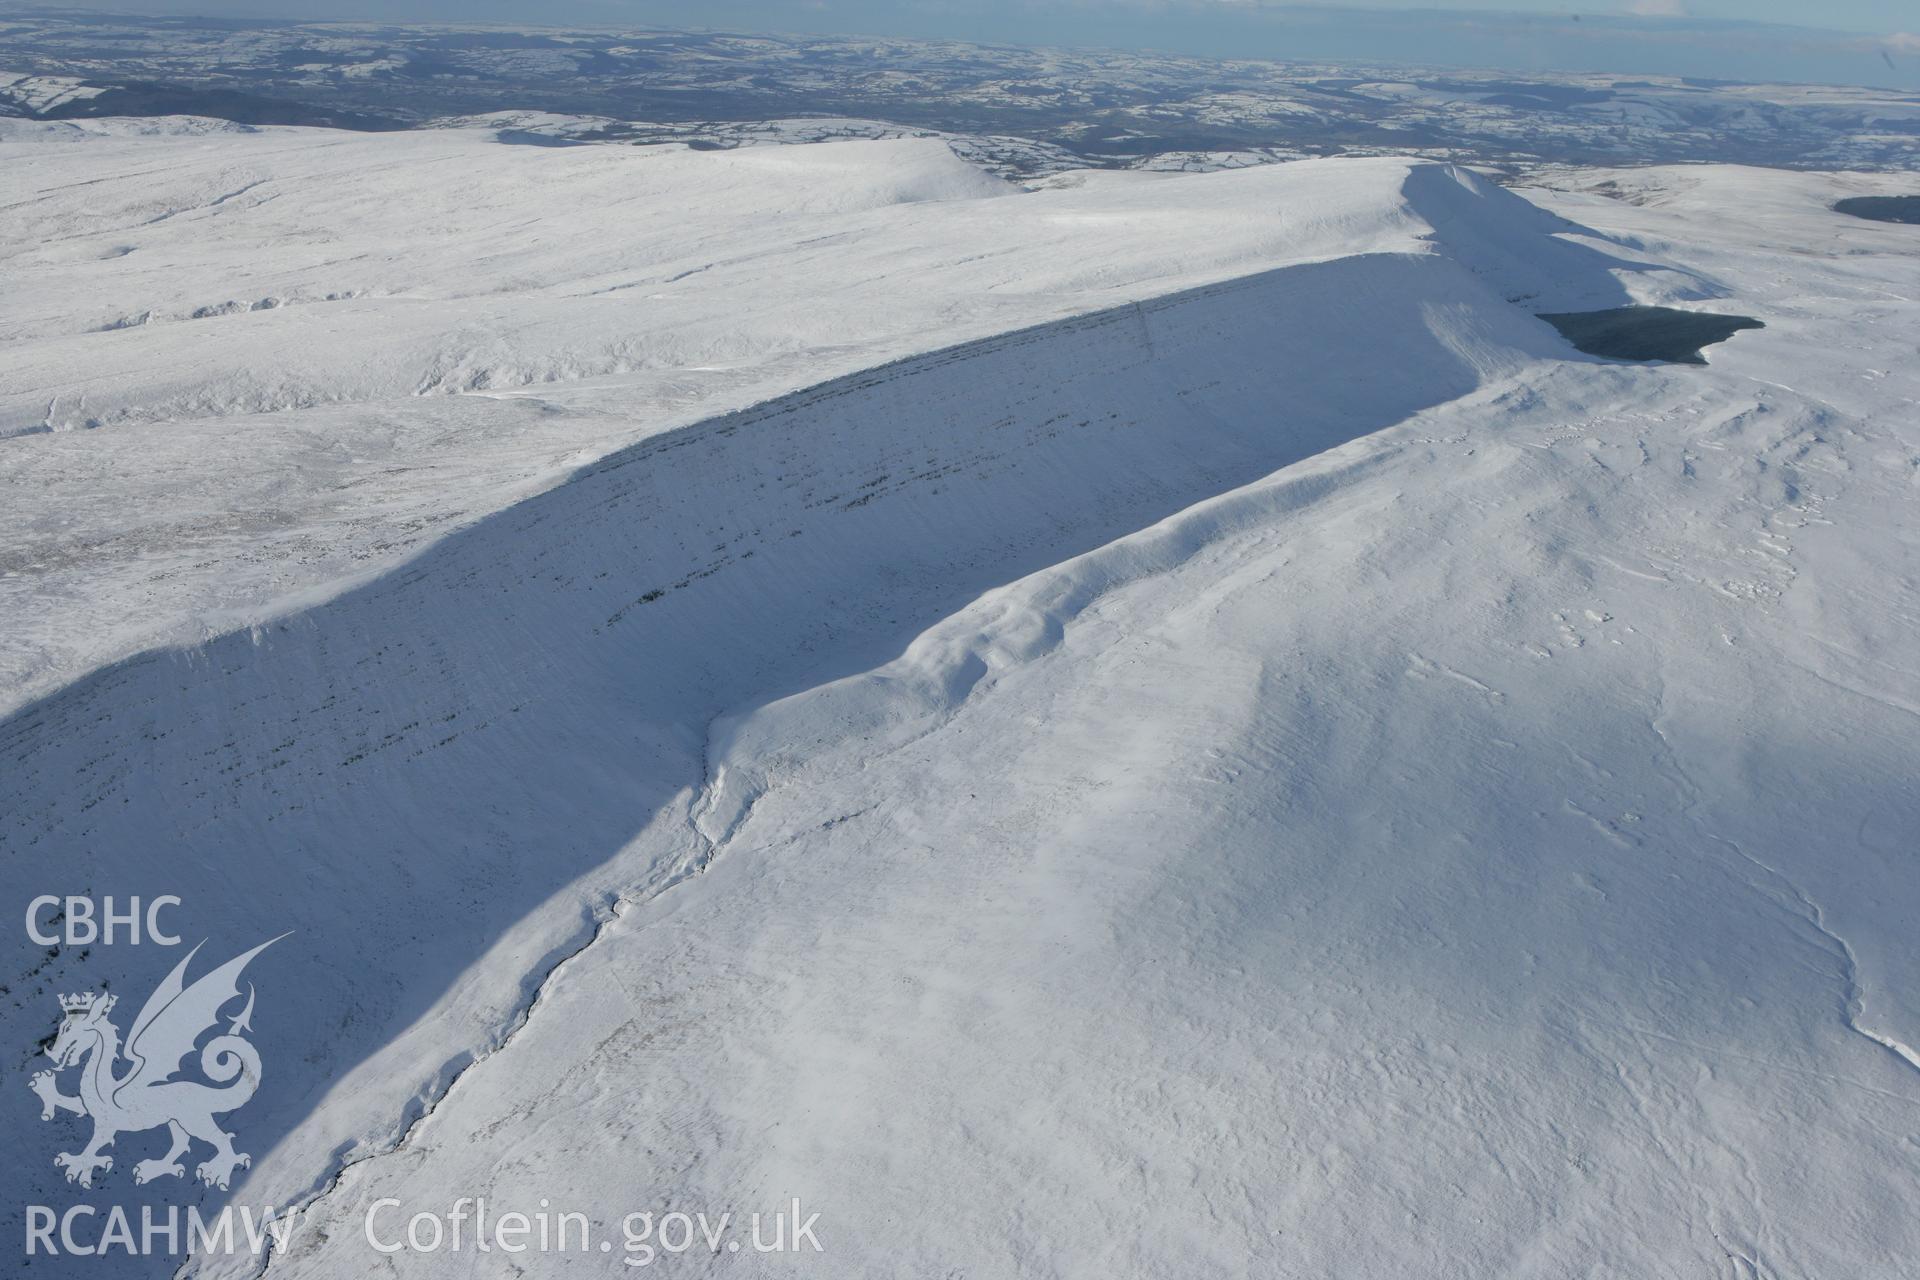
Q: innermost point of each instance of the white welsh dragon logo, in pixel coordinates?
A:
(147, 1095)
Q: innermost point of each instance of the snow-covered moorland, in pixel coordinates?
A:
(1156, 725)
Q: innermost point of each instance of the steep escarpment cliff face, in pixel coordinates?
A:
(255, 365)
(1262, 729)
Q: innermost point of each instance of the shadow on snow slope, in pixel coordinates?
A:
(407, 773)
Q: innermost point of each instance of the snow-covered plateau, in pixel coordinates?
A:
(1147, 724)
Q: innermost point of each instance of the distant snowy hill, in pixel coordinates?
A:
(1162, 724)
(1022, 111)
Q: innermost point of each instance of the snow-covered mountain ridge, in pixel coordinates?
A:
(306, 299)
(1114, 778)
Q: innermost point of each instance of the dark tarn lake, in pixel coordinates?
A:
(1882, 208)
(1648, 333)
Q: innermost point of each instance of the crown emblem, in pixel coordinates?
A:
(85, 1001)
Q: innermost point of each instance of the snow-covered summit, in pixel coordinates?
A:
(297, 302)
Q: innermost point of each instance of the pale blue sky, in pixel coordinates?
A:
(1880, 16)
